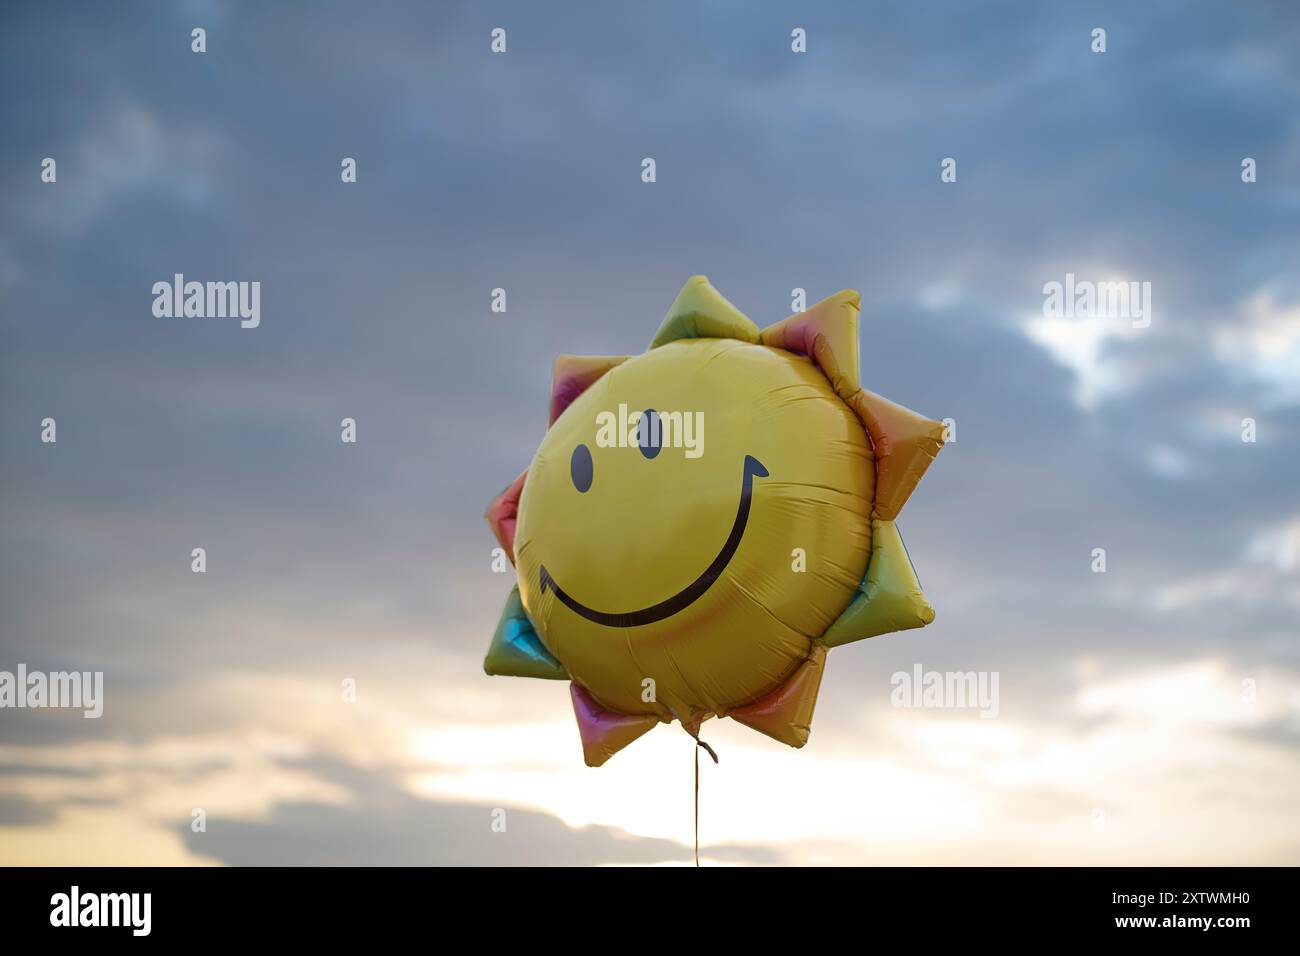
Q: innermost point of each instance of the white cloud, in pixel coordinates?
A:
(1169, 462)
(1264, 343)
(1084, 342)
(1279, 547)
(128, 150)
(1268, 571)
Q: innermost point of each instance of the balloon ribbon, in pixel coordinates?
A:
(699, 743)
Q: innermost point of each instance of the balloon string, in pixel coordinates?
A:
(699, 743)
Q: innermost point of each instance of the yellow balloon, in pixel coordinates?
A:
(703, 521)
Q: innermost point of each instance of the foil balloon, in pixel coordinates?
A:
(704, 521)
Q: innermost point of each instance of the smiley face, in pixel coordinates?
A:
(704, 522)
(631, 555)
(687, 595)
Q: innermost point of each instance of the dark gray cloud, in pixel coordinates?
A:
(17, 810)
(384, 826)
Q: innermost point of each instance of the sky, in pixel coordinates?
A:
(1149, 714)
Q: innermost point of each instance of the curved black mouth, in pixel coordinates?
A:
(687, 595)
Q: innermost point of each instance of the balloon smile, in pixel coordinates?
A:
(687, 595)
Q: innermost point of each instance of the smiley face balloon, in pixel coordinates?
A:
(704, 521)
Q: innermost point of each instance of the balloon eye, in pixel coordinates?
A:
(648, 434)
(580, 468)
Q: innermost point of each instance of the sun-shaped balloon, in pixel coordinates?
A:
(703, 521)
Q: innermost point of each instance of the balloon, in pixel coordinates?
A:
(704, 521)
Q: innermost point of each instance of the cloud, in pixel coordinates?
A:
(19, 811)
(1267, 572)
(390, 786)
(129, 153)
(1264, 344)
(384, 826)
(1082, 345)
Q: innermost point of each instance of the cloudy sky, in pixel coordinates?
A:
(1150, 714)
